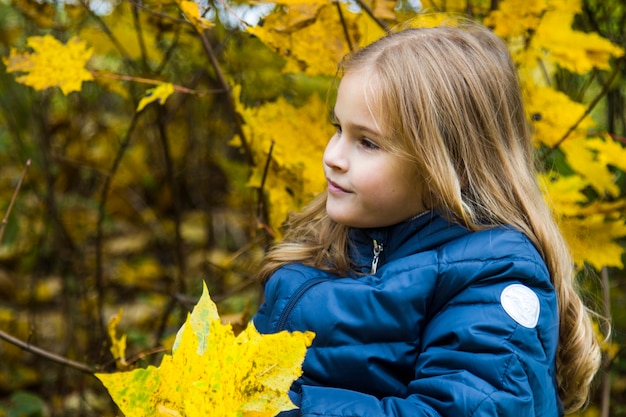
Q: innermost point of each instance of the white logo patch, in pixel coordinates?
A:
(522, 304)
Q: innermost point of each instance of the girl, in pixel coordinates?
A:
(431, 270)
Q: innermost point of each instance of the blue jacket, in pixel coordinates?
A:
(453, 323)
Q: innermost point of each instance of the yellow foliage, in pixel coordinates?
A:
(575, 51)
(608, 150)
(297, 137)
(160, 93)
(51, 64)
(583, 157)
(541, 30)
(300, 34)
(515, 18)
(590, 229)
(213, 373)
(592, 239)
(553, 113)
(384, 9)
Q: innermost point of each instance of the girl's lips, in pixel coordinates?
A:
(335, 188)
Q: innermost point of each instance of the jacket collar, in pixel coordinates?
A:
(425, 231)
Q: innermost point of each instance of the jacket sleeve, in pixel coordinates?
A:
(476, 358)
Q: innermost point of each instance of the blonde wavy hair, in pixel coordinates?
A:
(448, 99)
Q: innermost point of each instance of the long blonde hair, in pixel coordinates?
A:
(448, 99)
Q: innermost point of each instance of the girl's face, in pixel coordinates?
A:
(367, 186)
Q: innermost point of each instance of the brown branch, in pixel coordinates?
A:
(100, 221)
(227, 93)
(342, 19)
(5, 220)
(46, 354)
(266, 169)
(118, 45)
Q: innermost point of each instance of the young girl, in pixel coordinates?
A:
(431, 270)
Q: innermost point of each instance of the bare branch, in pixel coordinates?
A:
(5, 220)
(46, 354)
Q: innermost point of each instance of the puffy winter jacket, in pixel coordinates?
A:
(452, 323)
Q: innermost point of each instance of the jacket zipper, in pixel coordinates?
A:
(378, 248)
(297, 295)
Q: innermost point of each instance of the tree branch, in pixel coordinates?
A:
(46, 354)
(5, 220)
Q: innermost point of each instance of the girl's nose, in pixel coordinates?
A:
(335, 154)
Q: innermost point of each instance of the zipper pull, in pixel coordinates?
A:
(378, 248)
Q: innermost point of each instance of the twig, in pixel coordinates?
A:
(266, 169)
(178, 88)
(346, 33)
(227, 92)
(104, 195)
(46, 354)
(5, 220)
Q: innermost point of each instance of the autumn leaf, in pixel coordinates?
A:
(213, 373)
(191, 10)
(51, 64)
(118, 345)
(160, 93)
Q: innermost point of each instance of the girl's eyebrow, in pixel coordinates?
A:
(368, 130)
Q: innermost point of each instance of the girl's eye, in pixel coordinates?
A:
(369, 144)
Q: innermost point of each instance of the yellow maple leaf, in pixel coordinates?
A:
(213, 373)
(191, 10)
(160, 93)
(51, 64)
